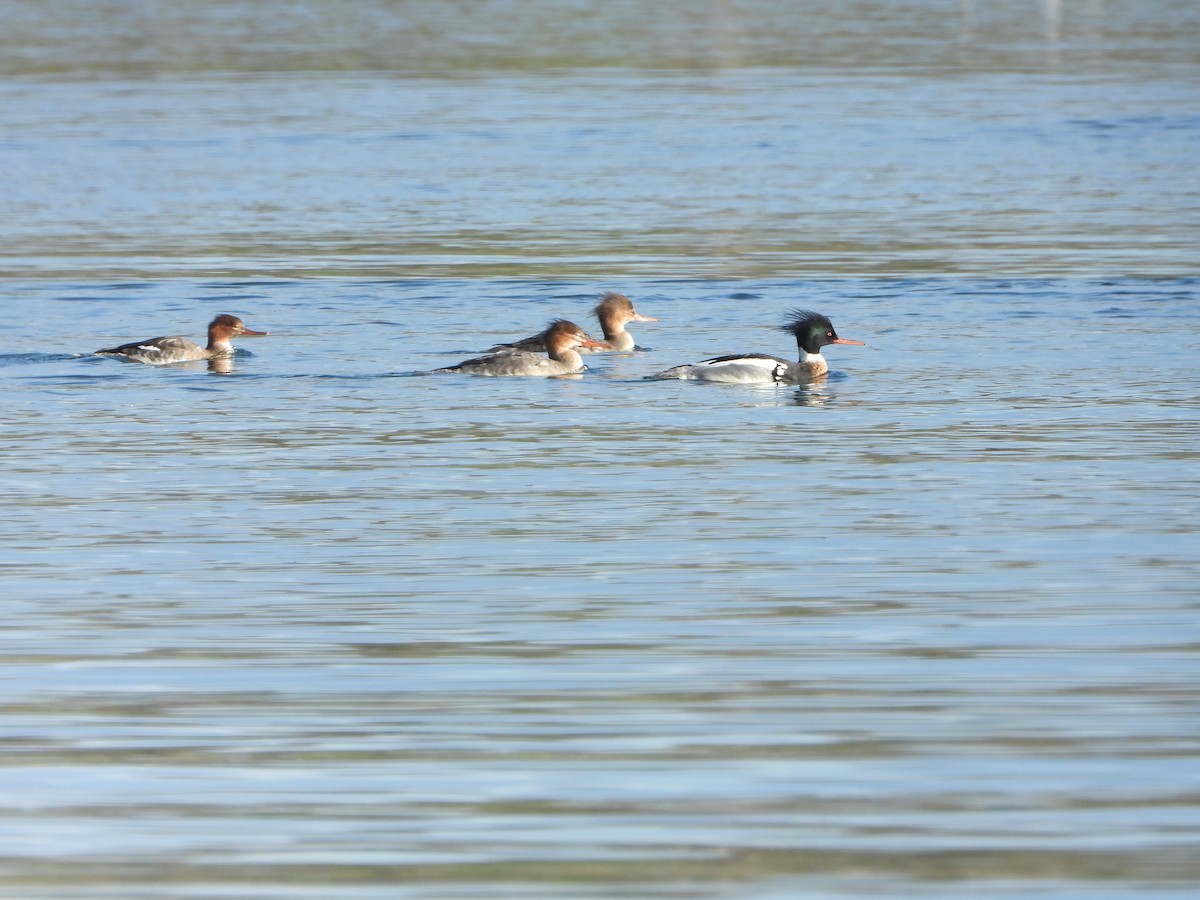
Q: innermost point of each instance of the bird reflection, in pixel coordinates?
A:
(809, 395)
(814, 393)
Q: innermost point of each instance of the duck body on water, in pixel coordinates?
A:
(812, 332)
(561, 341)
(161, 351)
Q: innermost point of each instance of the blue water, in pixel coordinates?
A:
(326, 625)
(931, 612)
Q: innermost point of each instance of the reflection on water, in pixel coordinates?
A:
(753, 140)
(130, 40)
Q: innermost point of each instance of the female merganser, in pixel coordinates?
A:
(613, 312)
(160, 351)
(812, 330)
(560, 339)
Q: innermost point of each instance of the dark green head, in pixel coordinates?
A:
(813, 331)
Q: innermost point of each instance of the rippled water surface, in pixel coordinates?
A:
(324, 625)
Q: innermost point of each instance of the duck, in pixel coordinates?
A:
(812, 332)
(614, 312)
(561, 340)
(161, 351)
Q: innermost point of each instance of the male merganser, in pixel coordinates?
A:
(160, 351)
(812, 330)
(613, 312)
(561, 339)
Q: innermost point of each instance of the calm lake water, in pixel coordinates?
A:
(327, 626)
